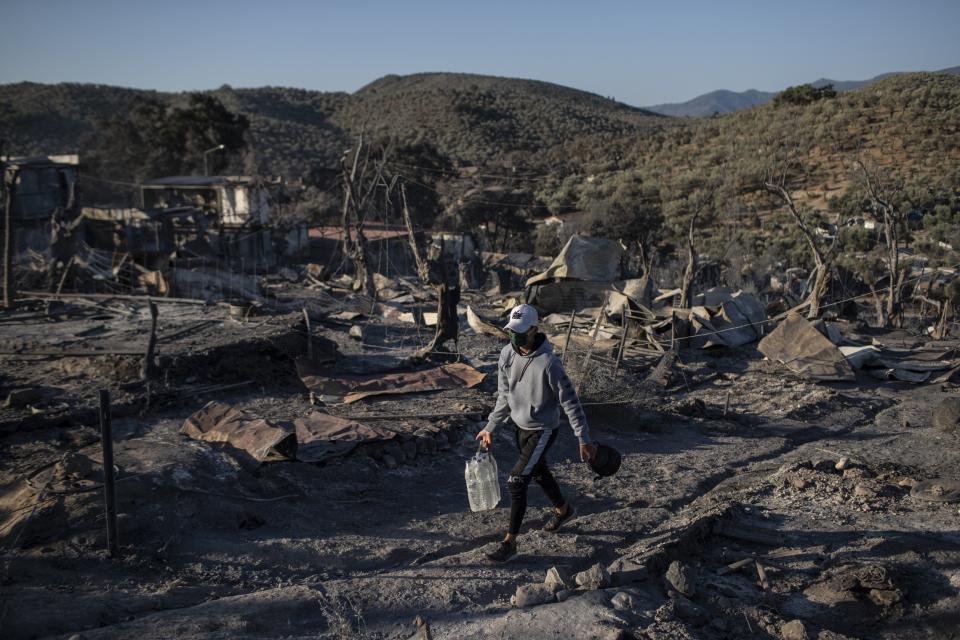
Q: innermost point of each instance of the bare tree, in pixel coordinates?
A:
(776, 184)
(883, 196)
(358, 187)
(435, 274)
(690, 206)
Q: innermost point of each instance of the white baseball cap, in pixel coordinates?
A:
(522, 318)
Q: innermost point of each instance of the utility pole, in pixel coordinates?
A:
(206, 166)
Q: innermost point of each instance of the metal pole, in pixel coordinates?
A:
(9, 184)
(109, 489)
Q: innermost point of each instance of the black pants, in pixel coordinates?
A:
(532, 465)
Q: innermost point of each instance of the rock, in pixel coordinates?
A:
(623, 601)
(389, 461)
(856, 472)
(23, 397)
(623, 571)
(682, 578)
(529, 595)
(843, 464)
(794, 630)
(423, 630)
(356, 332)
(885, 597)
(864, 491)
(689, 610)
(558, 578)
(797, 482)
(596, 577)
(409, 449)
(946, 415)
(824, 465)
(907, 482)
(443, 443)
(453, 435)
(564, 594)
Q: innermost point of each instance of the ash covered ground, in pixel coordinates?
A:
(751, 503)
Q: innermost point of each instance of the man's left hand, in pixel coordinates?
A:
(588, 452)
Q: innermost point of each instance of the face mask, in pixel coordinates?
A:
(518, 339)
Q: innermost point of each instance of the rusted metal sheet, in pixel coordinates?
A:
(338, 387)
(263, 440)
(321, 436)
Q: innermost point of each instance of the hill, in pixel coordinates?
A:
(468, 117)
(724, 101)
(721, 101)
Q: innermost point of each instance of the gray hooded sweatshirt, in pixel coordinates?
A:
(532, 388)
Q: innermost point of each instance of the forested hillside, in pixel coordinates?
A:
(622, 170)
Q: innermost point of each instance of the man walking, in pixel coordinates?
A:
(532, 387)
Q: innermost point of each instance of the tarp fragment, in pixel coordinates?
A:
(584, 258)
(332, 387)
(797, 344)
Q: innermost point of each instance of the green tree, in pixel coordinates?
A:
(156, 139)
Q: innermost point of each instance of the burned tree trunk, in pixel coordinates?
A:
(423, 270)
(357, 250)
(448, 324)
(435, 273)
(821, 270)
(878, 303)
(893, 217)
(686, 286)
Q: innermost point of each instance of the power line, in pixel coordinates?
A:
(493, 203)
(531, 177)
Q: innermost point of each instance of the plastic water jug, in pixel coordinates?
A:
(483, 485)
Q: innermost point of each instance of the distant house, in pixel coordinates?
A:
(44, 201)
(237, 201)
(239, 223)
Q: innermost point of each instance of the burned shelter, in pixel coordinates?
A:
(43, 199)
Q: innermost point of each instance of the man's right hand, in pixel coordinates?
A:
(485, 438)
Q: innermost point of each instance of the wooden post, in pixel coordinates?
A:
(623, 337)
(10, 185)
(566, 342)
(148, 370)
(593, 340)
(109, 488)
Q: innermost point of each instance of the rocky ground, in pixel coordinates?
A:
(750, 504)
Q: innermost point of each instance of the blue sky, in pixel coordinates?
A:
(638, 52)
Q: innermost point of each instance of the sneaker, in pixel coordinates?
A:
(504, 552)
(558, 519)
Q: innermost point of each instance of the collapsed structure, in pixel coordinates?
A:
(288, 393)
